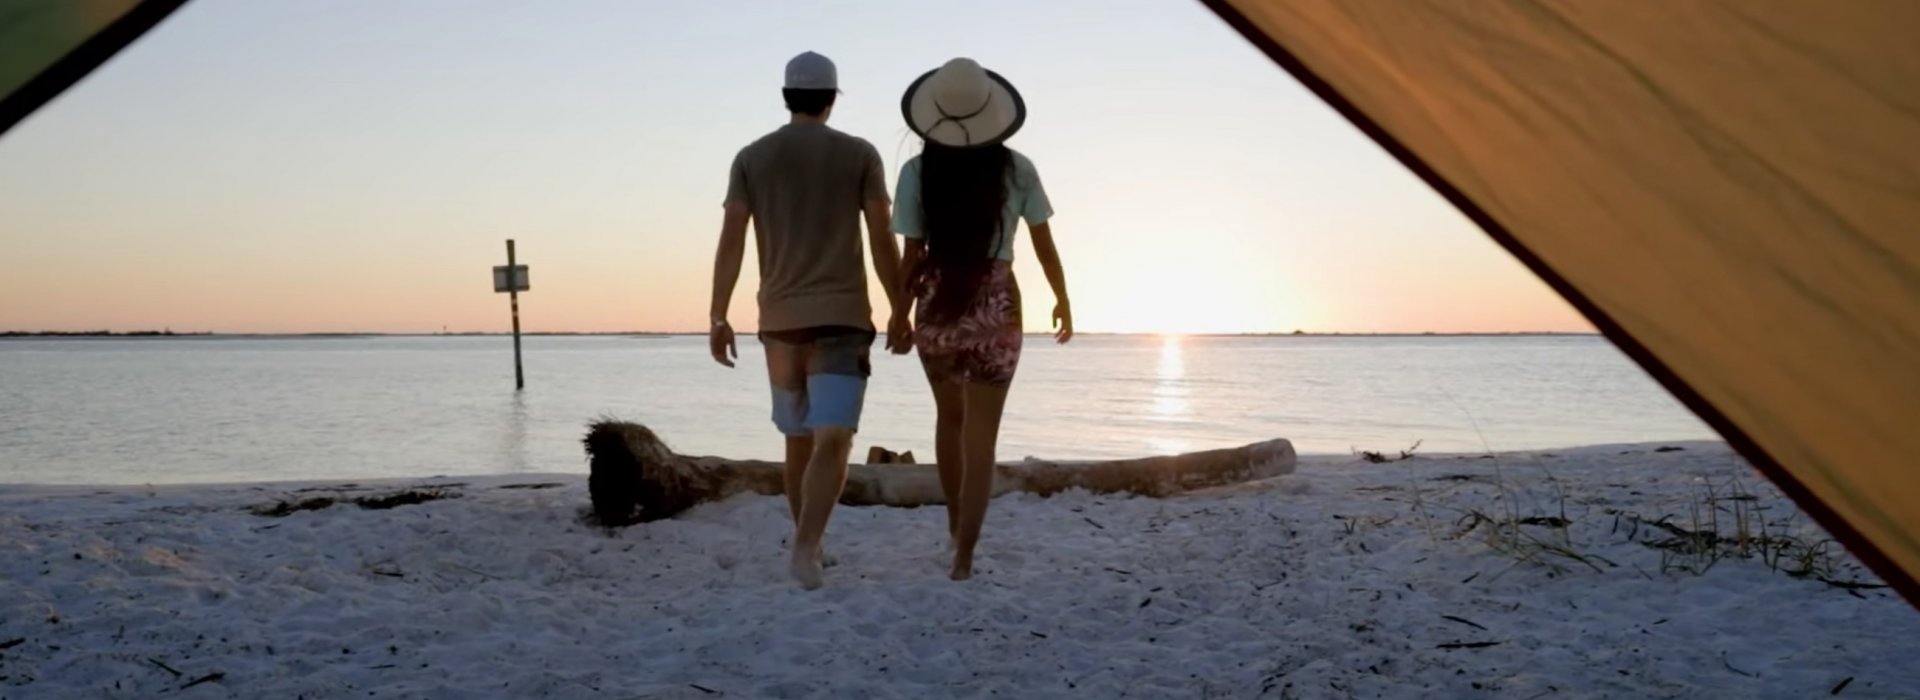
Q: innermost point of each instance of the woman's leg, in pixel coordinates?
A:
(941, 358)
(949, 404)
(980, 437)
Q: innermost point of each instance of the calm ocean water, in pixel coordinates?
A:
(199, 410)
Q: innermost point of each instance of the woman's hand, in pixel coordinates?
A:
(1042, 234)
(1063, 321)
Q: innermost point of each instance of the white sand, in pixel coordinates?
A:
(1320, 584)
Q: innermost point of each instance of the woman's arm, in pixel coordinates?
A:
(902, 297)
(1049, 257)
(909, 262)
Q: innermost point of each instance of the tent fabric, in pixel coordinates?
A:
(1729, 190)
(47, 45)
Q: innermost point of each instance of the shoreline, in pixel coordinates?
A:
(1352, 458)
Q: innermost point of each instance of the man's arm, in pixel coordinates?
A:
(886, 253)
(886, 266)
(726, 274)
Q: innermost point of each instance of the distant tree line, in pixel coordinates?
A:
(94, 334)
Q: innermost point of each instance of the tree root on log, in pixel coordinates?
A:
(636, 478)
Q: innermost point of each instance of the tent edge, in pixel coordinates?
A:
(71, 68)
(1870, 554)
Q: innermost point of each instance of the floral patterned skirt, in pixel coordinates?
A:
(982, 346)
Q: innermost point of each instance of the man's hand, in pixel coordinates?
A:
(1063, 322)
(720, 342)
(899, 335)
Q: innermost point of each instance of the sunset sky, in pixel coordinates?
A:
(355, 165)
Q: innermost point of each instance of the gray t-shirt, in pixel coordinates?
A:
(806, 185)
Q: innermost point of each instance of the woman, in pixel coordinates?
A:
(958, 204)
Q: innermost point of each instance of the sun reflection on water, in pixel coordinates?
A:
(1170, 396)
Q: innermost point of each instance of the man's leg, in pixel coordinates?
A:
(837, 369)
(799, 452)
(787, 373)
(826, 477)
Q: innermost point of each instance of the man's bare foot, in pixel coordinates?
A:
(962, 568)
(806, 570)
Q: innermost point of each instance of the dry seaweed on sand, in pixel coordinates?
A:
(284, 508)
(408, 497)
(1373, 457)
(405, 497)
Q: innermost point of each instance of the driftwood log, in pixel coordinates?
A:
(634, 477)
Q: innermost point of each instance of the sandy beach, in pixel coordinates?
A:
(1576, 574)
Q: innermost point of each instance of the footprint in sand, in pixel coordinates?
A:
(1008, 559)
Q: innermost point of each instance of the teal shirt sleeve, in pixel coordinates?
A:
(1035, 207)
(906, 201)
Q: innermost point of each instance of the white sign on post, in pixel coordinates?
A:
(519, 282)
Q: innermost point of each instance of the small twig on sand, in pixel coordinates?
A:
(209, 678)
(1729, 665)
(164, 667)
(703, 689)
(1843, 686)
(388, 572)
(1849, 585)
(474, 571)
(1095, 524)
(1467, 645)
(1465, 621)
(11, 643)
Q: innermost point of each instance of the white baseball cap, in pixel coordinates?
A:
(812, 71)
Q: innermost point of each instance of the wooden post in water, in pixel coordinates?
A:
(512, 279)
(513, 299)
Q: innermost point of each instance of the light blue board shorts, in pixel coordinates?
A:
(819, 377)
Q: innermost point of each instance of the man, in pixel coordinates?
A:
(805, 188)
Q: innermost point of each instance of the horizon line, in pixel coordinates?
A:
(456, 334)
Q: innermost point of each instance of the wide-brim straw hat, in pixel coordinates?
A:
(961, 104)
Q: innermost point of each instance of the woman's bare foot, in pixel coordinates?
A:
(806, 570)
(827, 561)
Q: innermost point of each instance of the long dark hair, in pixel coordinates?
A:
(963, 194)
